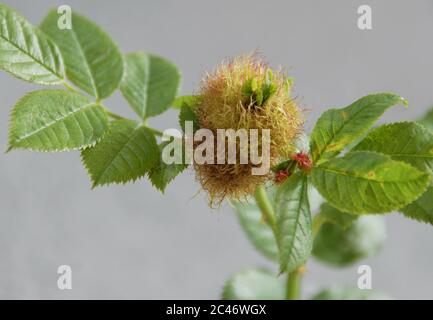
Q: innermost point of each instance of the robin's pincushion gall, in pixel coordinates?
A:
(244, 93)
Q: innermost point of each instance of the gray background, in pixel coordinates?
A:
(132, 242)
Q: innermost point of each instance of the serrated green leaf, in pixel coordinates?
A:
(188, 100)
(26, 53)
(427, 120)
(293, 217)
(92, 60)
(162, 174)
(56, 120)
(254, 284)
(150, 83)
(422, 208)
(330, 214)
(342, 247)
(405, 141)
(337, 128)
(187, 113)
(256, 229)
(126, 152)
(349, 293)
(366, 182)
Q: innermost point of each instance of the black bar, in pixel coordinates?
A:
(210, 309)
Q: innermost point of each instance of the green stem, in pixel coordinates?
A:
(114, 115)
(156, 132)
(111, 114)
(265, 207)
(119, 117)
(293, 286)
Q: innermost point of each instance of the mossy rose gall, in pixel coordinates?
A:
(245, 93)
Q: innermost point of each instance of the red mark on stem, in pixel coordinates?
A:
(281, 176)
(303, 161)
